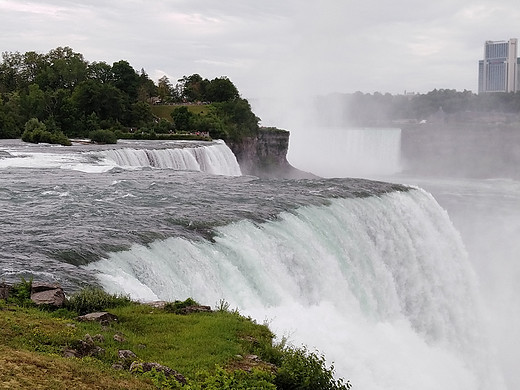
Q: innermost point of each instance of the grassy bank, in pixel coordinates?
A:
(220, 349)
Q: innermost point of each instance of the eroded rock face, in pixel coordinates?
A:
(47, 294)
(265, 155)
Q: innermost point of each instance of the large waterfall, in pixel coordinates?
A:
(382, 283)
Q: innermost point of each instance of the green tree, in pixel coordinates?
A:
(182, 118)
(220, 90)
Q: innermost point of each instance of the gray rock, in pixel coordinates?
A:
(119, 338)
(47, 294)
(126, 354)
(103, 317)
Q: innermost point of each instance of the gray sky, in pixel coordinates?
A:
(272, 46)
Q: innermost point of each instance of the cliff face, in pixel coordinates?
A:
(265, 155)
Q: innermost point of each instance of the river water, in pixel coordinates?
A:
(391, 283)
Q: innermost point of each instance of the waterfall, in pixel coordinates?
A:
(346, 152)
(382, 285)
(215, 158)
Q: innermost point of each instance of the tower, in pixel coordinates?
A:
(498, 69)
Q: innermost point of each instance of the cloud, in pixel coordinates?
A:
(272, 47)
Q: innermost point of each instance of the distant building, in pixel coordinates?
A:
(498, 71)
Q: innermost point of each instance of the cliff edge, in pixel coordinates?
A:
(265, 155)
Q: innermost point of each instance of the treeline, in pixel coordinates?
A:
(365, 109)
(60, 94)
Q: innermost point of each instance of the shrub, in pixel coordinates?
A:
(20, 293)
(36, 132)
(177, 306)
(301, 369)
(234, 380)
(93, 299)
(103, 136)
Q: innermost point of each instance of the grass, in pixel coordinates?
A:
(22, 369)
(210, 349)
(164, 111)
(186, 343)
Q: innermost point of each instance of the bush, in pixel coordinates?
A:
(304, 370)
(20, 293)
(177, 306)
(93, 299)
(36, 132)
(103, 136)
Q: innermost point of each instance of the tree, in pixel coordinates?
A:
(126, 79)
(182, 118)
(220, 90)
(164, 88)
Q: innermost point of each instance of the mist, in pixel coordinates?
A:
(470, 163)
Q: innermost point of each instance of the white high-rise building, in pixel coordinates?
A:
(498, 69)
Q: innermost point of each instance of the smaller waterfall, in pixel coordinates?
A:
(215, 158)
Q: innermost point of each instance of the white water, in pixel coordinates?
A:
(350, 152)
(381, 285)
(215, 159)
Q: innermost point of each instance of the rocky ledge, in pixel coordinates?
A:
(265, 155)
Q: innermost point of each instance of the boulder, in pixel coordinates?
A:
(103, 317)
(47, 294)
(4, 291)
(168, 372)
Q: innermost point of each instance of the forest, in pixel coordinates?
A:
(367, 109)
(59, 95)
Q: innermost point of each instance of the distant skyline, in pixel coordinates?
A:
(271, 48)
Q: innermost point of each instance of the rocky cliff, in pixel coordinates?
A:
(265, 155)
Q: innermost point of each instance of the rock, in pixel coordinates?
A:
(119, 338)
(126, 354)
(84, 347)
(47, 294)
(99, 338)
(168, 372)
(195, 309)
(118, 366)
(156, 304)
(103, 317)
(4, 291)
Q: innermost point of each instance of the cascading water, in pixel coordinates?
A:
(216, 158)
(360, 277)
(346, 152)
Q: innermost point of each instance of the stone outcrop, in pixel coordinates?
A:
(265, 155)
(47, 294)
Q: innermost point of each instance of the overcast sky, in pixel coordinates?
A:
(266, 46)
